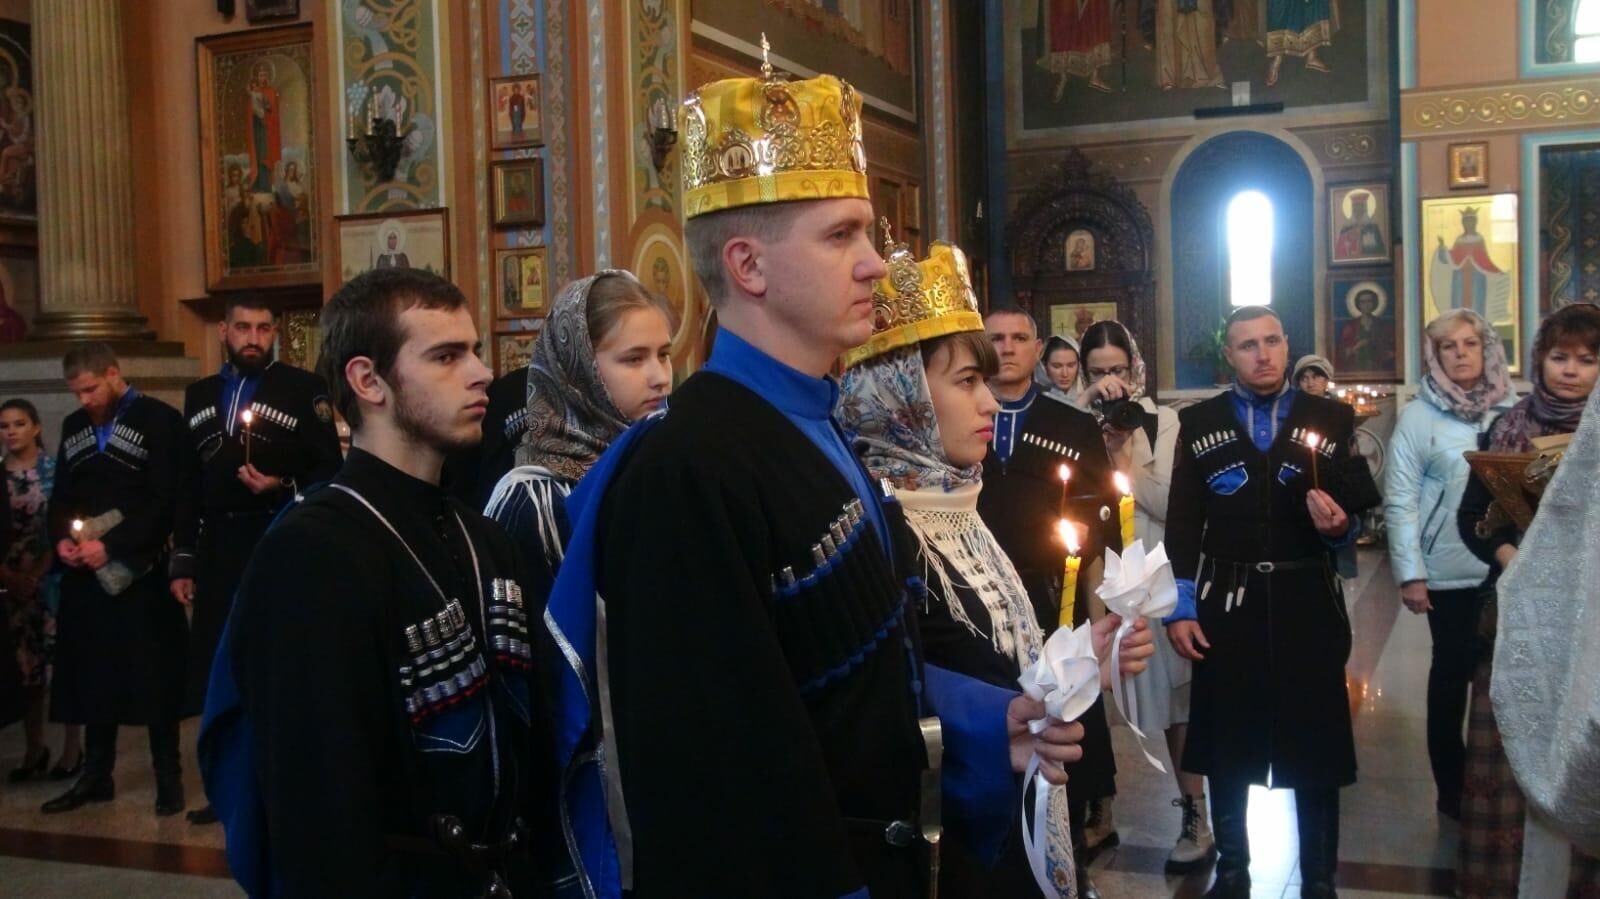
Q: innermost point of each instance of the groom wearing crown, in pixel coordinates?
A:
(745, 710)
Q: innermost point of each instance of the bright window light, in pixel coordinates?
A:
(1250, 249)
(1586, 31)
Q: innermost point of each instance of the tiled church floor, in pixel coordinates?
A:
(1392, 844)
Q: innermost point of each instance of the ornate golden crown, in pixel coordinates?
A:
(918, 301)
(767, 140)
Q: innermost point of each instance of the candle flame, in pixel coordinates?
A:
(1124, 486)
(247, 416)
(1069, 536)
(77, 524)
(1313, 439)
(1064, 473)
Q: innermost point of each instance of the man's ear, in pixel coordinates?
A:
(741, 259)
(364, 380)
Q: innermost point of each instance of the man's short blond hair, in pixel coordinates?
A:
(706, 235)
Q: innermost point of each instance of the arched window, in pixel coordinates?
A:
(1586, 31)
(1250, 249)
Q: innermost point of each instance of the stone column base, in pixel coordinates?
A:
(97, 324)
(32, 370)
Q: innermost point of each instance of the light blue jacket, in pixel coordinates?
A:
(1423, 481)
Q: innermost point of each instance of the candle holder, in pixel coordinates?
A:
(379, 148)
(662, 134)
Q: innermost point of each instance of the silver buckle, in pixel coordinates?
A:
(899, 834)
(1266, 567)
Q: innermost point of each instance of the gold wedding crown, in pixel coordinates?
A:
(749, 141)
(918, 301)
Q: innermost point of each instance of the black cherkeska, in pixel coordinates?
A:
(219, 520)
(376, 705)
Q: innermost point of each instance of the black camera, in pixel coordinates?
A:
(1121, 414)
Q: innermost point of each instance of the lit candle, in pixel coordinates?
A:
(247, 416)
(77, 530)
(1065, 474)
(1314, 440)
(1125, 508)
(1069, 580)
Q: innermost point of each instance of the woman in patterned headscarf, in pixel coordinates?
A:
(921, 417)
(600, 364)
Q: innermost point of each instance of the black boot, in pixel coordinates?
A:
(169, 772)
(169, 796)
(201, 817)
(95, 784)
(1317, 812)
(98, 788)
(1230, 801)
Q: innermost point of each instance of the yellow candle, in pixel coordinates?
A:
(77, 530)
(1069, 580)
(247, 416)
(1125, 509)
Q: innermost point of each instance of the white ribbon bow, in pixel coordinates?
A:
(1136, 586)
(1066, 678)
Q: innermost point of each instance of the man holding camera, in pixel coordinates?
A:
(1036, 433)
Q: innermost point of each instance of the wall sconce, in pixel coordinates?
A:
(663, 135)
(382, 144)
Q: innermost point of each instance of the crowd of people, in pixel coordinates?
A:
(542, 636)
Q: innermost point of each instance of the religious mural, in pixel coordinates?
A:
(1469, 258)
(18, 192)
(869, 43)
(1095, 62)
(19, 294)
(1364, 329)
(1569, 187)
(258, 158)
(389, 71)
(881, 29)
(1554, 38)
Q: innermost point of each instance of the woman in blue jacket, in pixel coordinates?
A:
(1464, 390)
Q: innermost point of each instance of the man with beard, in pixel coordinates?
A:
(370, 728)
(119, 636)
(259, 430)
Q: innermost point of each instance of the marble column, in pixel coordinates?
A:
(86, 221)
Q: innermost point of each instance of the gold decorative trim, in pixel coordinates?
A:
(1518, 106)
(1347, 145)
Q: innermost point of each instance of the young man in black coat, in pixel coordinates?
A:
(379, 642)
(1264, 491)
(119, 634)
(258, 431)
(1035, 434)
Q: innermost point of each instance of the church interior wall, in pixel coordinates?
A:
(1343, 133)
(159, 40)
